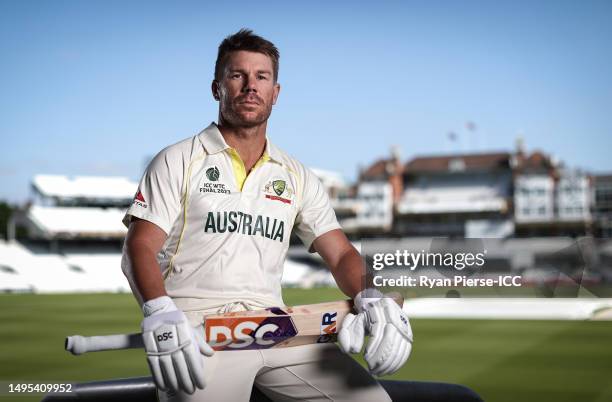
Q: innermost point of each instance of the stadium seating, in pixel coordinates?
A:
(45, 272)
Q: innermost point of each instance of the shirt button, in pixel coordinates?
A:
(179, 269)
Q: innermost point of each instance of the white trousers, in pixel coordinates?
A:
(317, 372)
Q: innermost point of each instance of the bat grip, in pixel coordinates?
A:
(78, 344)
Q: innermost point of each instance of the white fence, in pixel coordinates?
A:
(510, 308)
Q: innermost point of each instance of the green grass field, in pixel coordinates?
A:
(533, 361)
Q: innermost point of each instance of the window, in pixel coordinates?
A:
(456, 165)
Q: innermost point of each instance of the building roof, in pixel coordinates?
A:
(602, 178)
(376, 169)
(84, 187)
(536, 161)
(458, 162)
(70, 222)
(380, 169)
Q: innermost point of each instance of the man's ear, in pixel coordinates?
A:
(215, 90)
(277, 88)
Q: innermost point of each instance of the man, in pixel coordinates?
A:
(208, 233)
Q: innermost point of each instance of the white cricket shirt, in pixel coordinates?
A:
(228, 233)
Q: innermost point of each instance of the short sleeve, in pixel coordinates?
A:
(316, 215)
(158, 197)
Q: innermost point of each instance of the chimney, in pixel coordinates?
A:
(396, 173)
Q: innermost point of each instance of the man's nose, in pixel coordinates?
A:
(250, 84)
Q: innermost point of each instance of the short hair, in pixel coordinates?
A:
(245, 39)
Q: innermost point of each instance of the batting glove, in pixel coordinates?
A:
(391, 335)
(174, 348)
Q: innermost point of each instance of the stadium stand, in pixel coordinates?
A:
(44, 273)
(83, 190)
(74, 237)
(452, 195)
(12, 282)
(303, 275)
(73, 222)
(103, 269)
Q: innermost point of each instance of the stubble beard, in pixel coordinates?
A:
(237, 118)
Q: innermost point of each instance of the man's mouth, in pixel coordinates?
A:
(249, 101)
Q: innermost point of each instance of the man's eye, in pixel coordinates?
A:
(262, 77)
(234, 76)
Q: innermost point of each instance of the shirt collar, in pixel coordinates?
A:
(212, 139)
(213, 142)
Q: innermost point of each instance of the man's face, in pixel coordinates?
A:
(246, 91)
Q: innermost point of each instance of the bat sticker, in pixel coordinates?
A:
(248, 332)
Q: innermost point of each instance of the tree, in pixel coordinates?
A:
(6, 210)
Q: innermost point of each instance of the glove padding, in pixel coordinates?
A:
(391, 335)
(174, 351)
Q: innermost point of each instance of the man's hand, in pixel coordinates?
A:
(391, 336)
(174, 349)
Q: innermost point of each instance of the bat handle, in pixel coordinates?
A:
(77, 344)
(399, 299)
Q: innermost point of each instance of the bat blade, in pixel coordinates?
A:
(276, 327)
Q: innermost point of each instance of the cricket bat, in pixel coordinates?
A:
(273, 327)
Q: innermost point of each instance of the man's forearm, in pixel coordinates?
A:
(349, 272)
(146, 270)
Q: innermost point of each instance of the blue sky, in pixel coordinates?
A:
(96, 87)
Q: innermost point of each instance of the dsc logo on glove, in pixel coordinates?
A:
(164, 337)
